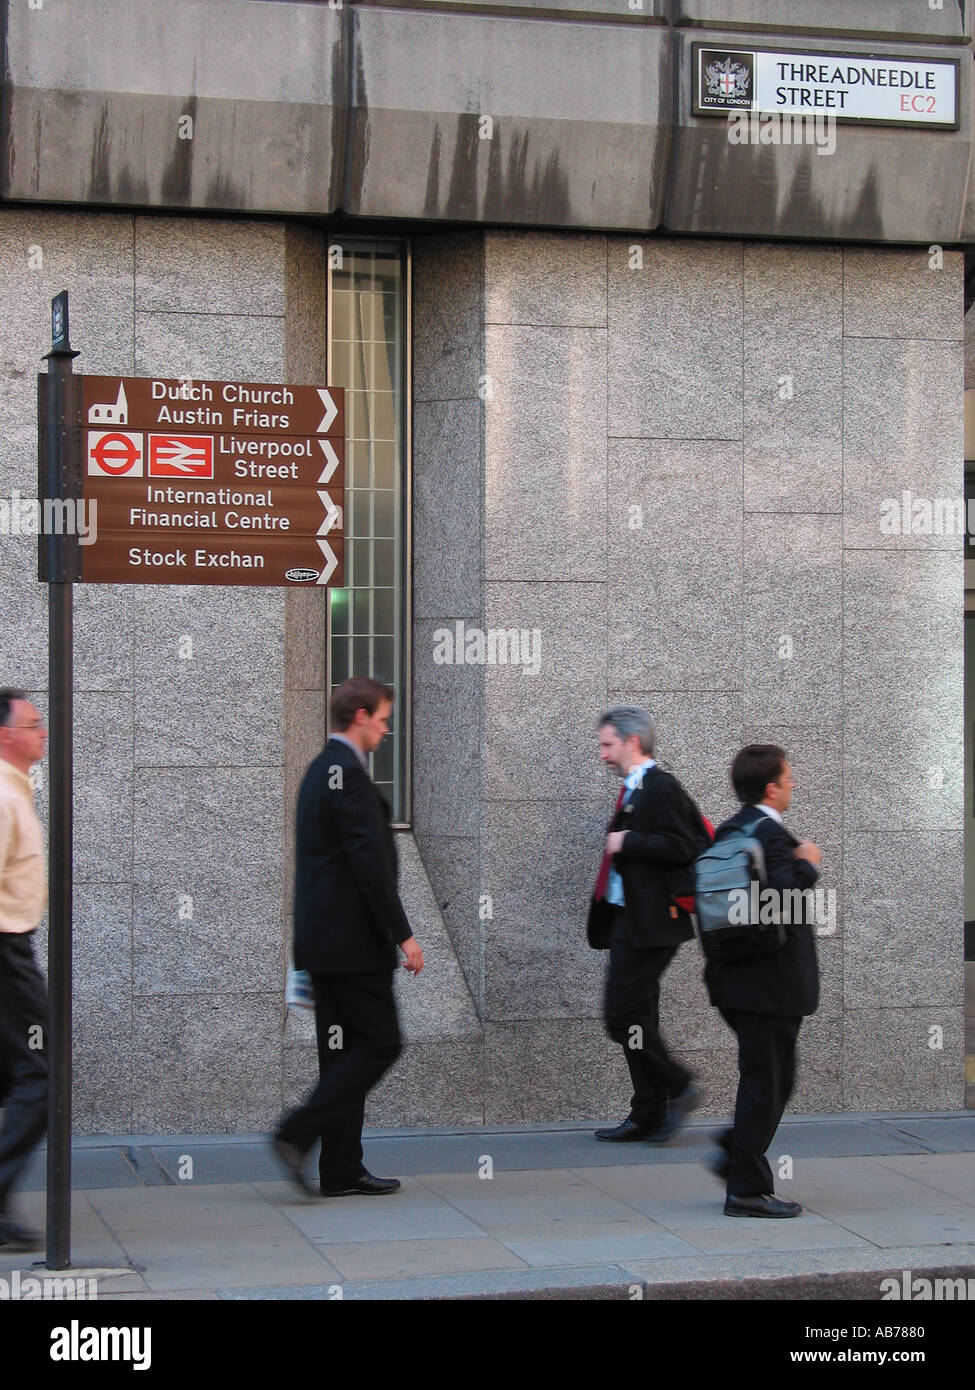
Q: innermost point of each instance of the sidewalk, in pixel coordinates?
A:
(562, 1215)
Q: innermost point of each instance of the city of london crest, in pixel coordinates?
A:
(729, 81)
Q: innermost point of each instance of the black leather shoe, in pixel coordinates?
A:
(624, 1133)
(678, 1109)
(294, 1161)
(765, 1205)
(367, 1185)
(13, 1236)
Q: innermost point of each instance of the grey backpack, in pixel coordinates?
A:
(728, 877)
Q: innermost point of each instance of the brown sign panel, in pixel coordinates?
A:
(151, 505)
(178, 455)
(182, 557)
(228, 407)
(209, 482)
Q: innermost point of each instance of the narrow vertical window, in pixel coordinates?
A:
(368, 333)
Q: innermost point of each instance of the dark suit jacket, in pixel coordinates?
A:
(785, 979)
(348, 916)
(663, 835)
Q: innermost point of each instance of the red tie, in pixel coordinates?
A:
(602, 878)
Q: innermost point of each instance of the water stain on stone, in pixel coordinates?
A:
(100, 185)
(431, 202)
(178, 173)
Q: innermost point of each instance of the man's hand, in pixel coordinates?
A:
(614, 841)
(807, 850)
(414, 956)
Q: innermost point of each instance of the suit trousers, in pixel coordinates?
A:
(358, 1035)
(632, 1015)
(23, 1025)
(766, 1073)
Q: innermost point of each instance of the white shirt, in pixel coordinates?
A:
(356, 750)
(632, 780)
(23, 874)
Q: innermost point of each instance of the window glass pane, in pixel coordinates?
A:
(361, 525)
(383, 610)
(356, 465)
(362, 597)
(383, 510)
(383, 566)
(360, 561)
(384, 464)
(340, 661)
(361, 656)
(383, 656)
(341, 318)
(383, 761)
(383, 415)
(339, 601)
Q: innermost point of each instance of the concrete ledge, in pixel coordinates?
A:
(559, 115)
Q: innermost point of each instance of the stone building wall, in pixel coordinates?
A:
(607, 454)
(683, 455)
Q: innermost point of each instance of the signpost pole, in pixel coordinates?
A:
(60, 473)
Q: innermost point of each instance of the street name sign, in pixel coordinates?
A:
(870, 88)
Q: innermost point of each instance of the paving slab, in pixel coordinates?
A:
(636, 1182)
(93, 1243)
(255, 1255)
(858, 1183)
(570, 1251)
(232, 1206)
(342, 1219)
(401, 1258)
(746, 1234)
(953, 1174)
(946, 1223)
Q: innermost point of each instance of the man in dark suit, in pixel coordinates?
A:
(652, 840)
(348, 924)
(763, 997)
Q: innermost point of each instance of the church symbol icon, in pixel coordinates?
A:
(105, 414)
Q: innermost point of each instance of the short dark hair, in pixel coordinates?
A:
(9, 693)
(359, 692)
(753, 768)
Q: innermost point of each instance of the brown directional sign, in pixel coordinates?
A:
(239, 407)
(212, 482)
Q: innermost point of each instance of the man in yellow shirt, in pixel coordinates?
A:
(23, 996)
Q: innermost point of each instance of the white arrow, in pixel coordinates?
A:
(331, 410)
(333, 514)
(331, 561)
(331, 461)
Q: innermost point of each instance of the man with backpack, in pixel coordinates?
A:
(755, 916)
(654, 835)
